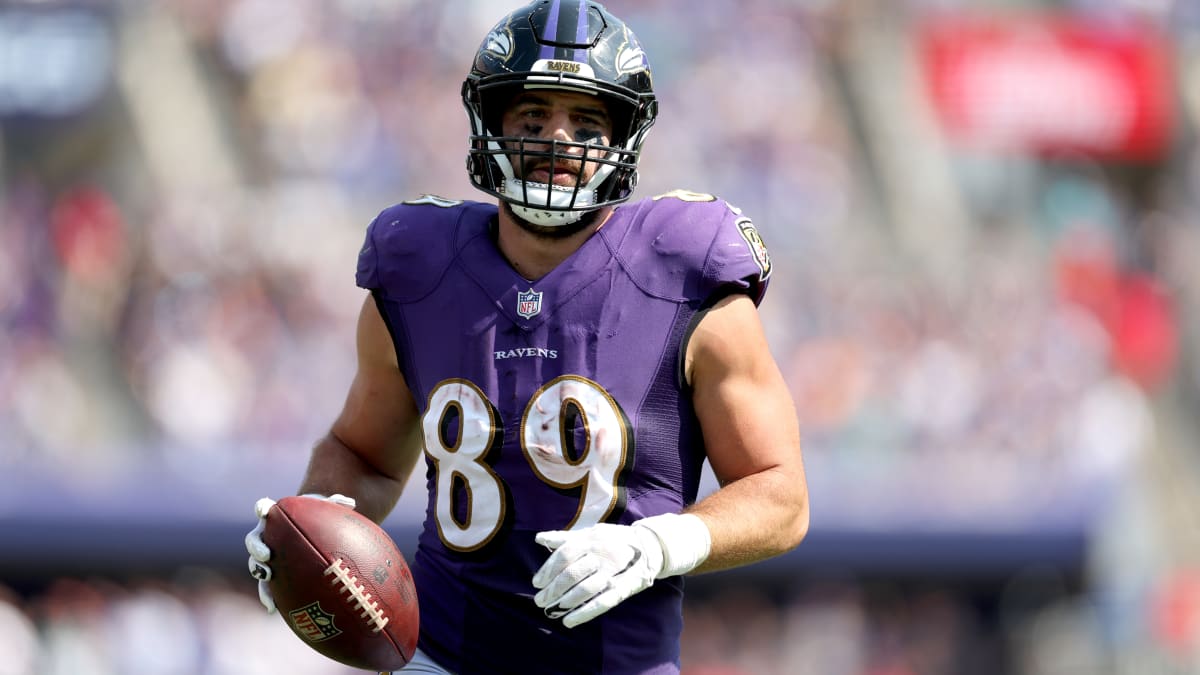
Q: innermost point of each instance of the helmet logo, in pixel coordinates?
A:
(631, 59)
(529, 303)
(500, 43)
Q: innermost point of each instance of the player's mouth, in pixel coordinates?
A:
(558, 174)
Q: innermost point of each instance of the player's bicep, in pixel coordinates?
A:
(379, 419)
(745, 409)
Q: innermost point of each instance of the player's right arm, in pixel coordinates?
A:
(374, 443)
(368, 454)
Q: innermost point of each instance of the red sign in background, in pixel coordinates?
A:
(1050, 84)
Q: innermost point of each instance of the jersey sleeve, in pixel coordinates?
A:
(737, 261)
(695, 248)
(367, 275)
(408, 247)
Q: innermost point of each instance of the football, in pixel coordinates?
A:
(341, 584)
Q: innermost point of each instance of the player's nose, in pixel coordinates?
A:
(558, 127)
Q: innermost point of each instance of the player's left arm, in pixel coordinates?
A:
(752, 437)
(761, 509)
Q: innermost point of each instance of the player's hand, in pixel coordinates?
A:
(260, 554)
(594, 569)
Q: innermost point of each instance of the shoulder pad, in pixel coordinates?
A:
(409, 246)
(689, 246)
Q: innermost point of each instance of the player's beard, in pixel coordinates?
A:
(553, 231)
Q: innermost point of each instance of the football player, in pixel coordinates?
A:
(564, 360)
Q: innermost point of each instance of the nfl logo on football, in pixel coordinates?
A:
(529, 303)
(313, 623)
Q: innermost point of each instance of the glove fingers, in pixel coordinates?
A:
(259, 571)
(255, 546)
(264, 596)
(262, 506)
(552, 539)
(260, 553)
(554, 613)
(557, 563)
(582, 592)
(567, 579)
(596, 606)
(593, 569)
(343, 500)
(337, 498)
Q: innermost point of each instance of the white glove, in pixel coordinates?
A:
(260, 554)
(594, 569)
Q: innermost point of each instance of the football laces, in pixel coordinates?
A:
(359, 597)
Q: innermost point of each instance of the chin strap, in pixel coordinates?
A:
(540, 193)
(547, 218)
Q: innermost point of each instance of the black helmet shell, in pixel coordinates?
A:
(560, 44)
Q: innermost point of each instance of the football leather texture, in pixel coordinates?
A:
(340, 583)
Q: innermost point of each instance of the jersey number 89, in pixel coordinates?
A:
(548, 427)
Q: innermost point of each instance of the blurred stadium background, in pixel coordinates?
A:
(984, 217)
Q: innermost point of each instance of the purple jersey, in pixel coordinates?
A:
(549, 405)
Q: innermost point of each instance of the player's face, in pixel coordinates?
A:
(557, 115)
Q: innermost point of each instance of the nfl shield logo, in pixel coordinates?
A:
(313, 623)
(529, 303)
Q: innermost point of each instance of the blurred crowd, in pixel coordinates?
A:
(178, 255)
(177, 299)
(198, 623)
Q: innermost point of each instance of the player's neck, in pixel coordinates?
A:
(534, 255)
